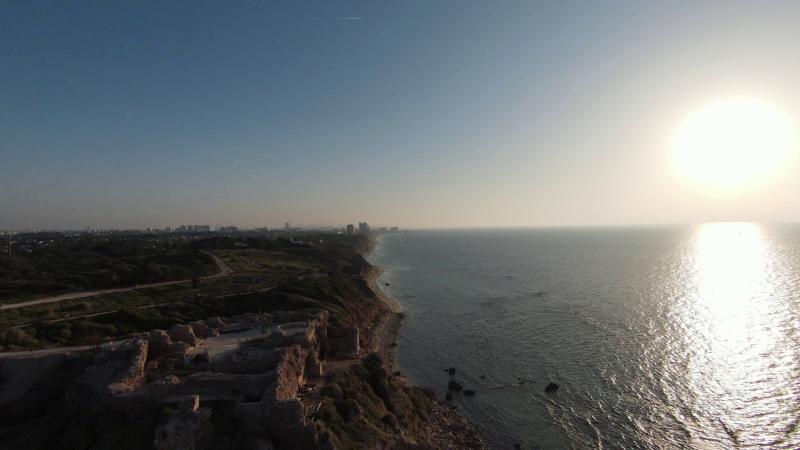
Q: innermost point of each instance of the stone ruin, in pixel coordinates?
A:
(258, 379)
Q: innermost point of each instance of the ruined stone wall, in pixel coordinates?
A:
(132, 374)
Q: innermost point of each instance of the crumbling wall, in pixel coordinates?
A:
(131, 375)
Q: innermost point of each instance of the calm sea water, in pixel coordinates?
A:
(662, 337)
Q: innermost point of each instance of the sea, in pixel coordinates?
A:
(667, 337)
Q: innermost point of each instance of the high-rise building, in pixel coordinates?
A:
(363, 227)
(351, 229)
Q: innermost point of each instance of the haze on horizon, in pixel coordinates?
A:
(418, 114)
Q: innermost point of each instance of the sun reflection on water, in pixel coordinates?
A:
(731, 277)
(732, 342)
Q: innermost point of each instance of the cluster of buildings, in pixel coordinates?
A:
(191, 229)
(363, 228)
(287, 228)
(201, 229)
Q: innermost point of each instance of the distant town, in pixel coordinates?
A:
(28, 240)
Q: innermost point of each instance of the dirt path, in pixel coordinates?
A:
(57, 350)
(223, 270)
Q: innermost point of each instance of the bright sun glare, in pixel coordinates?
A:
(733, 142)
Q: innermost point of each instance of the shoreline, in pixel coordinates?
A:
(386, 331)
(448, 426)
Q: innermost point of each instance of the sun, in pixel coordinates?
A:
(733, 142)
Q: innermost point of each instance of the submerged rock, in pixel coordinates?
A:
(551, 387)
(454, 385)
(451, 371)
(469, 392)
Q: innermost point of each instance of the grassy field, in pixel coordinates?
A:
(267, 275)
(54, 263)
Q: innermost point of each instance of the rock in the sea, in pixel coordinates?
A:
(183, 333)
(454, 385)
(551, 387)
(448, 396)
(451, 371)
(469, 392)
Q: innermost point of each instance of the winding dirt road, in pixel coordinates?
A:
(223, 270)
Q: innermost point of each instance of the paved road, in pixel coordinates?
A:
(223, 270)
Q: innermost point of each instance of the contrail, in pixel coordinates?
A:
(349, 18)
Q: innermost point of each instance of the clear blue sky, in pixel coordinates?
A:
(435, 113)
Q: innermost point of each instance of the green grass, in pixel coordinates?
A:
(56, 263)
(299, 277)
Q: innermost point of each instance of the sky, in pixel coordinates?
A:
(415, 114)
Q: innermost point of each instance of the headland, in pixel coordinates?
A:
(291, 349)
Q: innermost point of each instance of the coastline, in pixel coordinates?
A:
(322, 376)
(447, 426)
